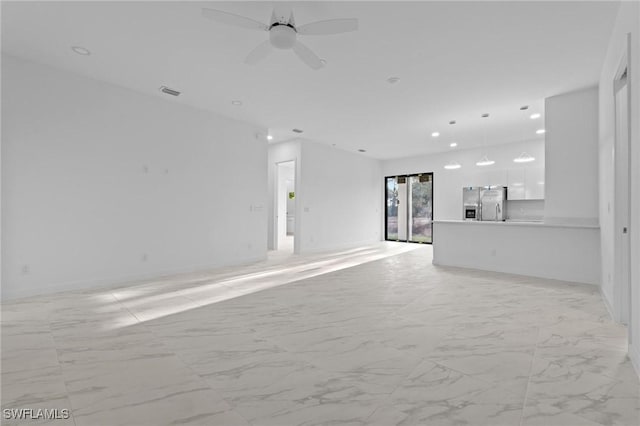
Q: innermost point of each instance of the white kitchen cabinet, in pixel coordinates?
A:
(515, 184)
(525, 183)
(534, 183)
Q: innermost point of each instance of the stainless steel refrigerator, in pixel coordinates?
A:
(492, 203)
(471, 203)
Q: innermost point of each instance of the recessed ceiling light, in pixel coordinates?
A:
(297, 130)
(540, 131)
(81, 50)
(524, 107)
(485, 115)
(393, 80)
(435, 134)
(236, 103)
(362, 150)
(269, 137)
(534, 116)
(453, 144)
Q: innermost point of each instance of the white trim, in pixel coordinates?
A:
(20, 292)
(349, 245)
(622, 290)
(607, 304)
(634, 356)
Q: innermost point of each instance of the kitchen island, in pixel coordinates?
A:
(567, 251)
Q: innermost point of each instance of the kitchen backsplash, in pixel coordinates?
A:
(525, 209)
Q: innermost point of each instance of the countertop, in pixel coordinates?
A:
(519, 222)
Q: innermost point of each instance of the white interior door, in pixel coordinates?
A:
(622, 248)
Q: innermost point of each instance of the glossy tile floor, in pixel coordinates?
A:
(375, 335)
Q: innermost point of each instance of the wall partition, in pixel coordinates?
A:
(409, 208)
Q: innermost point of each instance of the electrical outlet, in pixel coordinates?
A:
(144, 257)
(26, 269)
(493, 252)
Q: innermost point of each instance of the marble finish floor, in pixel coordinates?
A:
(370, 336)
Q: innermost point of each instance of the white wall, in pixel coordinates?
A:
(96, 177)
(448, 184)
(339, 198)
(628, 22)
(571, 152)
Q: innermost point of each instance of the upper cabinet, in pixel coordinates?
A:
(525, 183)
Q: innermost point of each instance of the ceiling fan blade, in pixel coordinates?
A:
(235, 20)
(259, 53)
(307, 56)
(331, 26)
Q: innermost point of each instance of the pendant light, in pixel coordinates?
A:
(484, 161)
(524, 158)
(452, 165)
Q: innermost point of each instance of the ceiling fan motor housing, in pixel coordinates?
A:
(282, 36)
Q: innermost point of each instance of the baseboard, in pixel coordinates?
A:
(349, 245)
(608, 305)
(113, 282)
(511, 272)
(634, 355)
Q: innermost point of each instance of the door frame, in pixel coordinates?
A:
(386, 211)
(276, 204)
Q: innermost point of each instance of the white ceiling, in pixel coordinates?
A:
(455, 61)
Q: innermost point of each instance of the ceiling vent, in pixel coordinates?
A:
(297, 131)
(169, 91)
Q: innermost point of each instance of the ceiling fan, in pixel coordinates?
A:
(283, 32)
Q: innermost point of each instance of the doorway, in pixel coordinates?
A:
(409, 208)
(622, 195)
(285, 206)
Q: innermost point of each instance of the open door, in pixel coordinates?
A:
(285, 205)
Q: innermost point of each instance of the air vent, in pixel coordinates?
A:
(362, 150)
(169, 91)
(297, 131)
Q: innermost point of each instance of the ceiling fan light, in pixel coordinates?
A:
(484, 161)
(282, 37)
(524, 158)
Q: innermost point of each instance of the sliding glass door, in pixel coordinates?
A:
(409, 208)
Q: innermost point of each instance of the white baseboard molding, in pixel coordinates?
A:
(345, 246)
(634, 355)
(608, 305)
(114, 282)
(509, 271)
